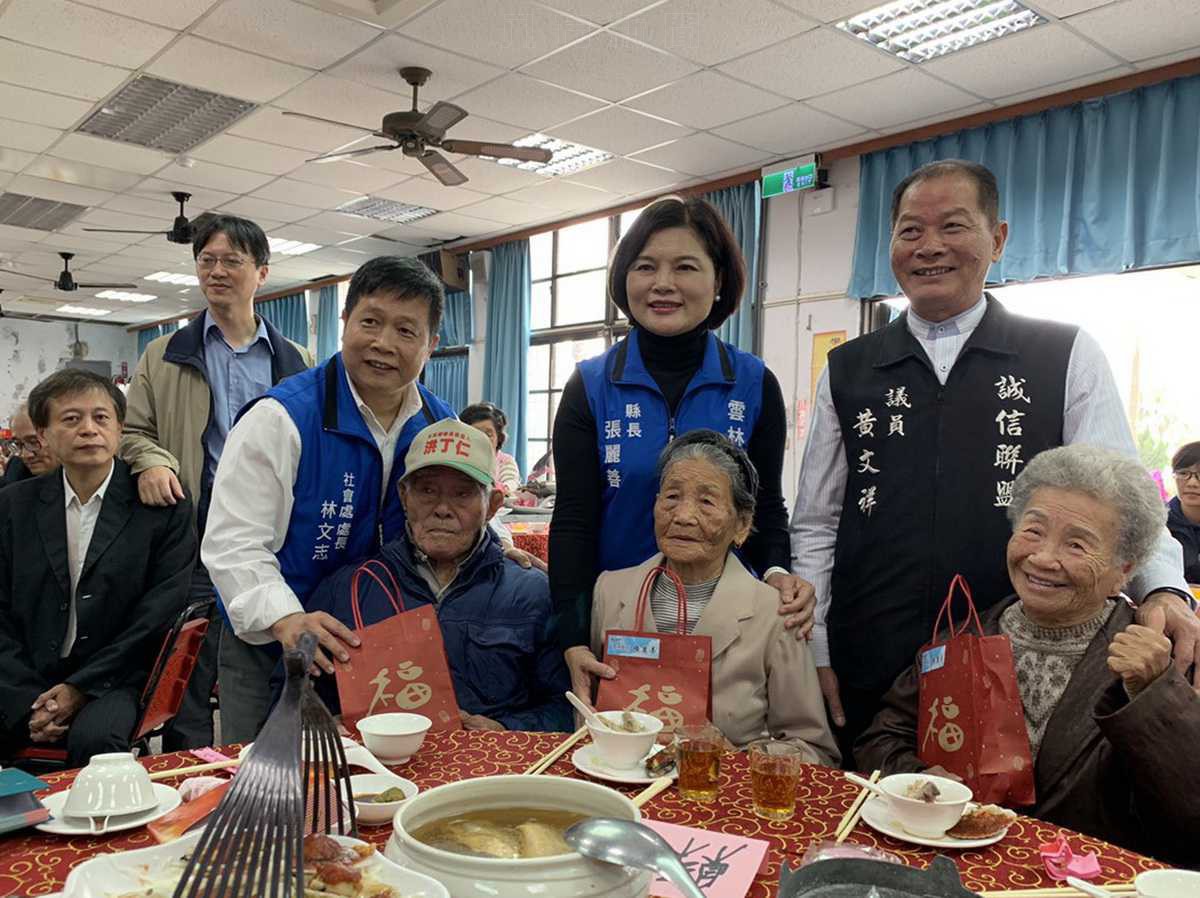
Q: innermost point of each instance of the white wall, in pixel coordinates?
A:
(807, 268)
(30, 350)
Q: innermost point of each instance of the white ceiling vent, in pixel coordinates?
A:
(379, 209)
(162, 115)
(20, 211)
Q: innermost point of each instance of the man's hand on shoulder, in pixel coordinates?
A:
(159, 486)
(523, 558)
(1168, 614)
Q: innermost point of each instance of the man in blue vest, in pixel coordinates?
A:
(307, 481)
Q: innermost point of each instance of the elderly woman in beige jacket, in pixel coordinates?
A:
(764, 681)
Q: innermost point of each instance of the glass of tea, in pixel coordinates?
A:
(774, 778)
(699, 748)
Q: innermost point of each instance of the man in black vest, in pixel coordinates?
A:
(918, 432)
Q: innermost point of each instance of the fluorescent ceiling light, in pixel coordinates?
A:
(919, 30)
(83, 310)
(291, 247)
(379, 209)
(567, 157)
(168, 277)
(126, 297)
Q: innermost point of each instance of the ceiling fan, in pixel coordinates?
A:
(414, 133)
(181, 231)
(66, 281)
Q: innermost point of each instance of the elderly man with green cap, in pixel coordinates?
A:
(494, 614)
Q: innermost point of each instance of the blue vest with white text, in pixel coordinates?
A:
(337, 513)
(633, 424)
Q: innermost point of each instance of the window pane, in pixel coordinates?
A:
(537, 360)
(583, 246)
(534, 450)
(541, 255)
(570, 353)
(580, 298)
(537, 412)
(539, 306)
(628, 218)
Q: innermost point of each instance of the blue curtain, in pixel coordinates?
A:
(1098, 187)
(150, 334)
(458, 320)
(289, 315)
(507, 344)
(741, 206)
(327, 322)
(447, 377)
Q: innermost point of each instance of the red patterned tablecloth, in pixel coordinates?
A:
(534, 543)
(33, 863)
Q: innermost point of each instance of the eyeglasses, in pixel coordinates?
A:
(205, 262)
(1185, 476)
(31, 446)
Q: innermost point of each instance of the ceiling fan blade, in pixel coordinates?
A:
(499, 150)
(105, 286)
(440, 118)
(123, 231)
(329, 121)
(334, 157)
(442, 169)
(36, 277)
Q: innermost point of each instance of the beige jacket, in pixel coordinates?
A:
(763, 678)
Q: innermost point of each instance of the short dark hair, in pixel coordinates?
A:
(242, 233)
(486, 411)
(70, 382)
(702, 219)
(404, 278)
(1188, 455)
(986, 190)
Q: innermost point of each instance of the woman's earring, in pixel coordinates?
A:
(718, 299)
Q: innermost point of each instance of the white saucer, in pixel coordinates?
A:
(168, 800)
(877, 815)
(587, 760)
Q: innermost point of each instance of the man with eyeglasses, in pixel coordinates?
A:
(1183, 512)
(34, 456)
(188, 389)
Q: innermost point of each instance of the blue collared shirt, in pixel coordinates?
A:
(235, 376)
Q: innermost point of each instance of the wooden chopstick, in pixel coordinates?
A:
(850, 820)
(659, 785)
(549, 758)
(1117, 888)
(196, 768)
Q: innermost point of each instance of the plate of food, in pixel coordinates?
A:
(659, 763)
(979, 826)
(334, 867)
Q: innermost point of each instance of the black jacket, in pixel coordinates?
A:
(15, 472)
(1188, 535)
(134, 581)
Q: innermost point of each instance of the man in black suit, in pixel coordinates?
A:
(89, 579)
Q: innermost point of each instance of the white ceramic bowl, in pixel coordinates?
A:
(562, 876)
(394, 738)
(925, 818)
(110, 785)
(1167, 884)
(624, 750)
(375, 812)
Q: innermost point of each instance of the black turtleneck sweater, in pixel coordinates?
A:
(672, 362)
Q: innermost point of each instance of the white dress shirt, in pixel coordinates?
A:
(81, 523)
(1092, 413)
(251, 507)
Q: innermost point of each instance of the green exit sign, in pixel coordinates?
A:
(800, 177)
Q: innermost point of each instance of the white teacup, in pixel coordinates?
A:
(1167, 884)
(109, 786)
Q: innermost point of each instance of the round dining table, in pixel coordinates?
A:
(34, 863)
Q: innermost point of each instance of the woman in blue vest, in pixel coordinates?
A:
(678, 274)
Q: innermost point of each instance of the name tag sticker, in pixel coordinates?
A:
(933, 659)
(634, 647)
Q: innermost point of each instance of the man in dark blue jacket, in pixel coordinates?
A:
(508, 673)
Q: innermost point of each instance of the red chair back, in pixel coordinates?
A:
(172, 669)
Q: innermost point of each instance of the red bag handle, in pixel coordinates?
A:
(393, 595)
(946, 610)
(680, 595)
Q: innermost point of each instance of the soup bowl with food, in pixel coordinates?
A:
(923, 804)
(502, 837)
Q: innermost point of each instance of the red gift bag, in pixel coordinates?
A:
(400, 665)
(667, 675)
(970, 716)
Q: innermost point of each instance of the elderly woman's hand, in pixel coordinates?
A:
(1170, 615)
(1139, 656)
(798, 600)
(583, 665)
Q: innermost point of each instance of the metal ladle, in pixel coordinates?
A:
(628, 843)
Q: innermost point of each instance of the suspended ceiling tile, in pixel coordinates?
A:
(377, 66)
(900, 97)
(227, 71)
(250, 154)
(563, 196)
(203, 198)
(502, 209)
(270, 125)
(1064, 8)
(110, 153)
(72, 172)
(14, 160)
(706, 99)
(507, 33)
(58, 191)
(526, 102)
(601, 12)
(311, 234)
(283, 29)
(1143, 29)
(793, 129)
(812, 63)
(429, 192)
(1155, 62)
(703, 154)
(830, 10)
(347, 174)
(57, 73)
(255, 208)
(610, 66)
(369, 247)
(1058, 87)
(618, 130)
(83, 31)
(709, 32)
(163, 208)
(348, 224)
(340, 100)
(624, 176)
(216, 177)
(445, 226)
(494, 178)
(24, 136)
(1048, 53)
(299, 193)
(177, 14)
(476, 127)
(39, 108)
